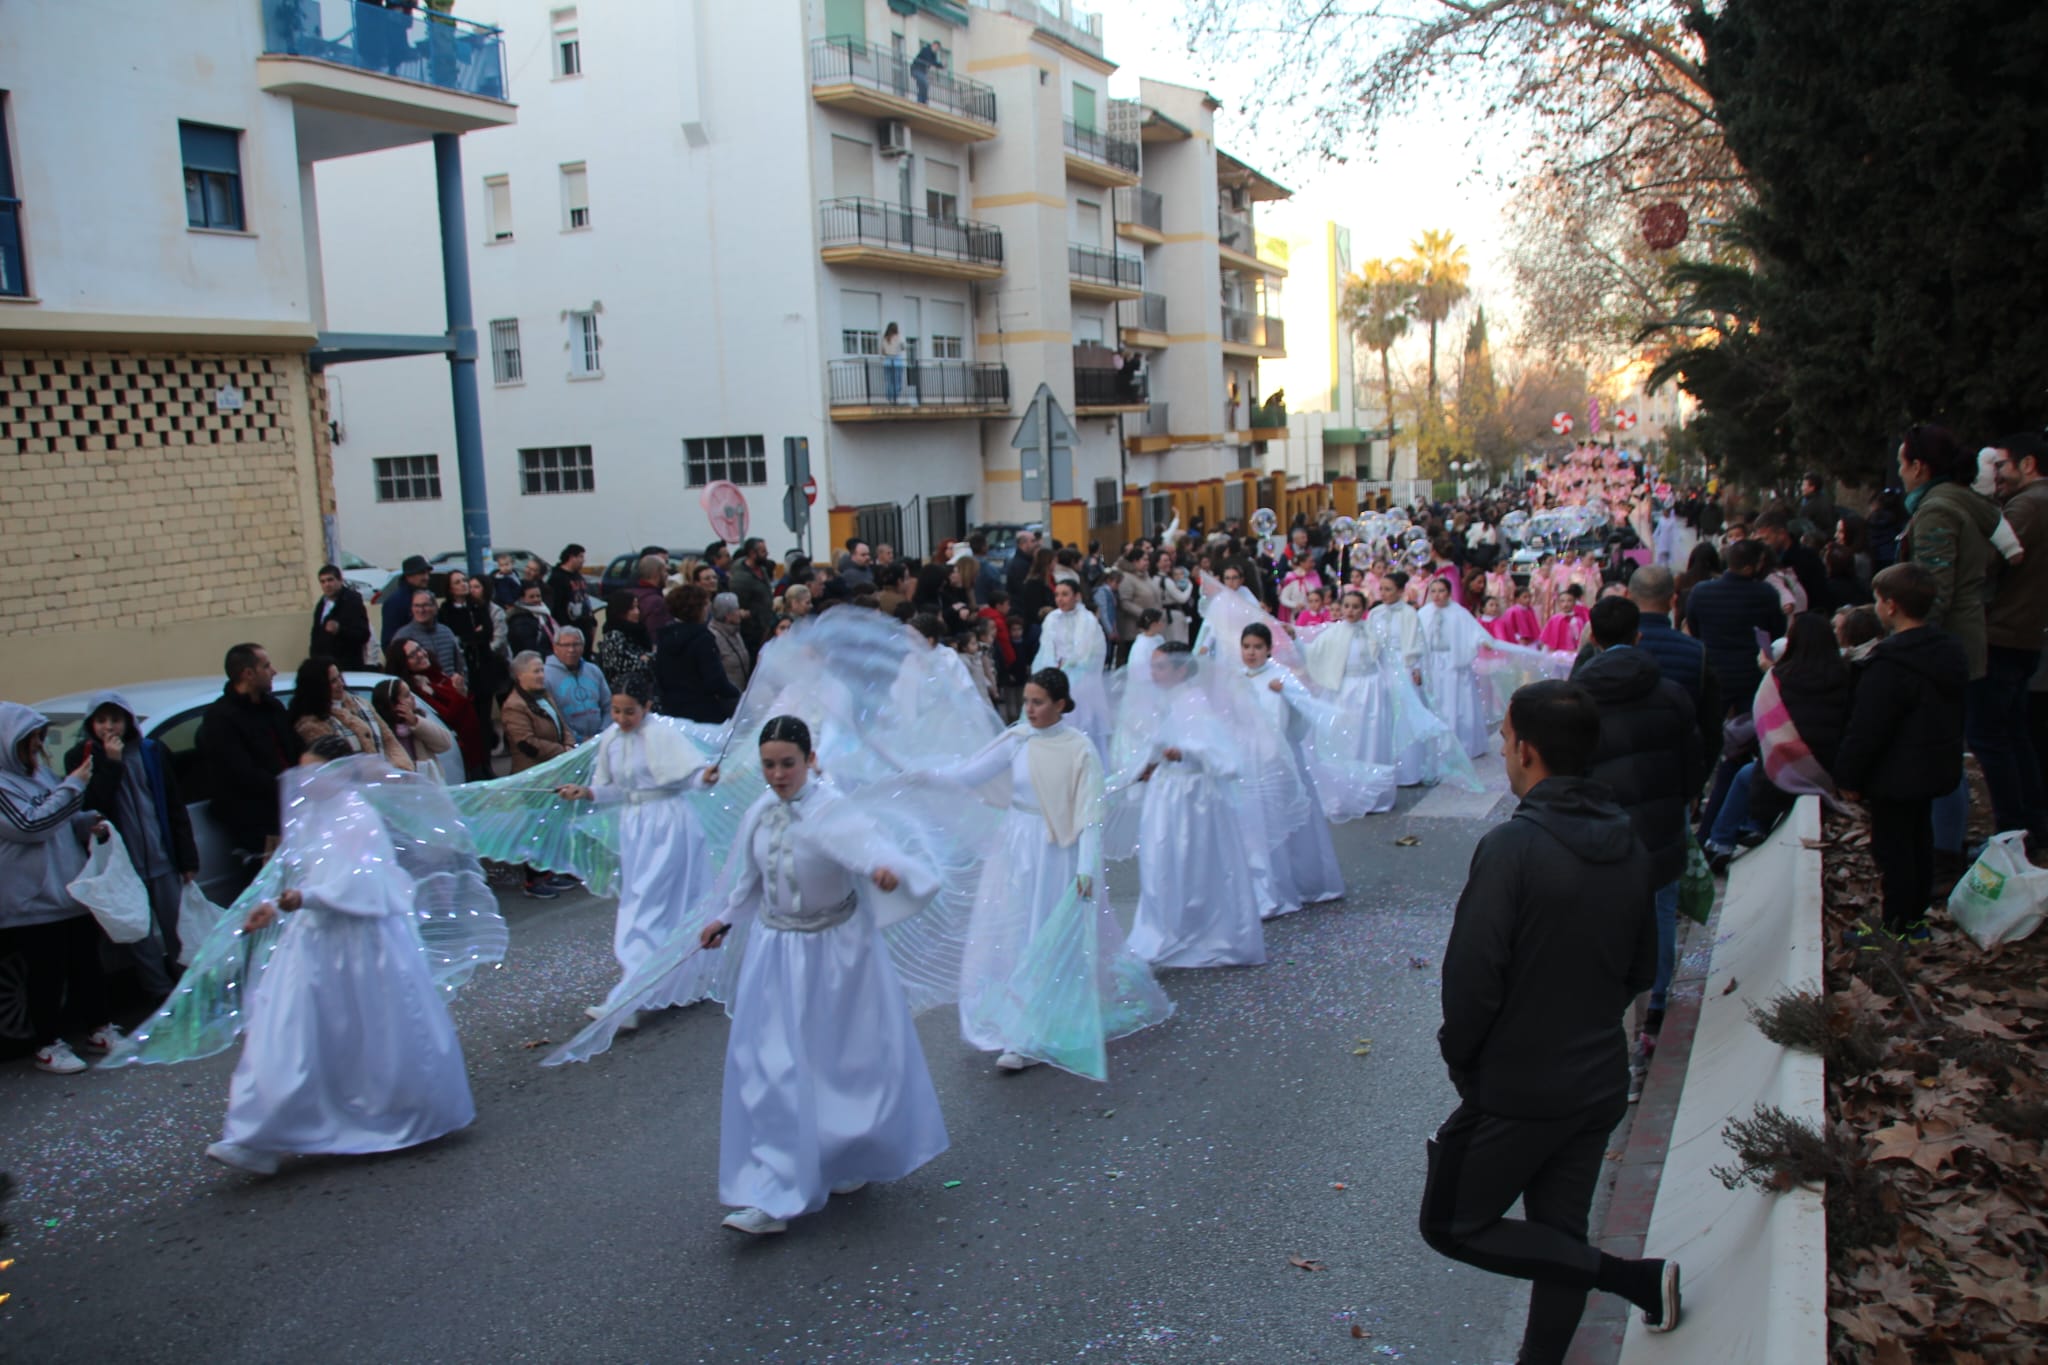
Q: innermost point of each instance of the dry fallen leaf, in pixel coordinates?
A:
(1729, 989)
(1407, 841)
(1358, 1332)
(538, 1042)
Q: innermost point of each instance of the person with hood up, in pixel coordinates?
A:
(1551, 940)
(133, 787)
(43, 829)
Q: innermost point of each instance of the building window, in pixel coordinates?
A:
(941, 191)
(556, 469)
(586, 350)
(737, 459)
(575, 197)
(1109, 502)
(13, 268)
(949, 330)
(568, 44)
(408, 478)
(498, 207)
(506, 367)
(213, 176)
(860, 322)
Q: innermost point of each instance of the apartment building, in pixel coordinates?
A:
(165, 480)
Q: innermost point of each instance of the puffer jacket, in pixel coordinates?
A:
(1649, 756)
(1950, 534)
(43, 829)
(1904, 740)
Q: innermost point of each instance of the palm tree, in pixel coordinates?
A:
(1379, 302)
(1442, 281)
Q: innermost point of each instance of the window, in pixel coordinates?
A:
(13, 270)
(1109, 502)
(556, 469)
(860, 323)
(1087, 223)
(1088, 330)
(853, 168)
(506, 367)
(408, 478)
(949, 330)
(586, 350)
(941, 191)
(575, 197)
(739, 459)
(498, 207)
(1084, 108)
(213, 176)
(568, 44)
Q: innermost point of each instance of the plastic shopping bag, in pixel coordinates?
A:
(196, 917)
(1696, 883)
(110, 889)
(2003, 897)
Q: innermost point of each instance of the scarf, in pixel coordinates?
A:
(1061, 761)
(1788, 762)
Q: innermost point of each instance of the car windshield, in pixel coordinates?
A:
(349, 561)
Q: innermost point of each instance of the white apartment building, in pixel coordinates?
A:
(694, 247)
(162, 312)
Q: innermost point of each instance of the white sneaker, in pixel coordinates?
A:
(849, 1186)
(595, 1012)
(1015, 1061)
(243, 1158)
(630, 1022)
(103, 1040)
(755, 1222)
(58, 1059)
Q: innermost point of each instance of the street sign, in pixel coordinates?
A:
(1046, 440)
(810, 487)
(802, 489)
(726, 508)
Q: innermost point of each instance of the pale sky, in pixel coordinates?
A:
(1429, 174)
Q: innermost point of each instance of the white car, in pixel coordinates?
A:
(365, 577)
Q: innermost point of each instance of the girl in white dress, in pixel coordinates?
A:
(1451, 640)
(826, 1086)
(1304, 859)
(1071, 640)
(646, 765)
(1046, 975)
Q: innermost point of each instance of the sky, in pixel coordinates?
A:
(1428, 173)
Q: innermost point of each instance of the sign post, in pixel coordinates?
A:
(1046, 440)
(801, 490)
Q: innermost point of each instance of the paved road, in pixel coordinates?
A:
(1147, 1220)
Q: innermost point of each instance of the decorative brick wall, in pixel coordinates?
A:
(128, 500)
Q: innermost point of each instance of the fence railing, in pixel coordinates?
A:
(877, 381)
(1094, 264)
(1141, 206)
(424, 45)
(1097, 386)
(1147, 314)
(1276, 333)
(1096, 145)
(1234, 230)
(870, 222)
(841, 61)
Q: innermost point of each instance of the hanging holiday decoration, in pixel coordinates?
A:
(1664, 225)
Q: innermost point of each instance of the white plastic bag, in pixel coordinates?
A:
(110, 889)
(196, 917)
(2003, 897)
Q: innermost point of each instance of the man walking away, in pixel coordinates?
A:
(1679, 657)
(1725, 613)
(1552, 940)
(2014, 626)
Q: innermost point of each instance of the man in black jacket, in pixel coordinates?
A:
(341, 624)
(1553, 938)
(1651, 759)
(1774, 529)
(1681, 658)
(687, 670)
(752, 580)
(245, 740)
(1725, 613)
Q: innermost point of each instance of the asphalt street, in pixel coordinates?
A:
(1157, 1218)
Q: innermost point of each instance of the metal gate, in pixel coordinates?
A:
(878, 523)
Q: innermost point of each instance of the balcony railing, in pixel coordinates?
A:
(838, 61)
(1234, 231)
(1141, 206)
(1098, 146)
(867, 381)
(13, 272)
(1147, 314)
(1098, 386)
(1246, 328)
(425, 46)
(869, 222)
(1078, 27)
(1276, 333)
(1093, 264)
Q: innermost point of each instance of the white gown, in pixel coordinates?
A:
(825, 1081)
(1451, 640)
(1399, 637)
(1073, 642)
(349, 1047)
(1197, 906)
(1304, 862)
(664, 867)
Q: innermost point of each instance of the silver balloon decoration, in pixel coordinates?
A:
(1264, 522)
(1361, 555)
(1271, 546)
(1345, 529)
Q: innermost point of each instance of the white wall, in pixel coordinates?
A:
(100, 176)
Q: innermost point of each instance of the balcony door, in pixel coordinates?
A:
(910, 317)
(847, 21)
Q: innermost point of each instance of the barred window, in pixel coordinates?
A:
(1109, 502)
(586, 349)
(506, 366)
(556, 469)
(408, 478)
(738, 459)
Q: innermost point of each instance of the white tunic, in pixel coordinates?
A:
(664, 868)
(1304, 859)
(1072, 641)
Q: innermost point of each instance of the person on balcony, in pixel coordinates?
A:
(921, 67)
(893, 362)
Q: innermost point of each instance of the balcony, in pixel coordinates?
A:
(871, 389)
(344, 62)
(1142, 321)
(1153, 436)
(1140, 216)
(868, 232)
(1102, 388)
(1238, 243)
(1246, 333)
(1098, 158)
(1076, 28)
(1097, 274)
(876, 82)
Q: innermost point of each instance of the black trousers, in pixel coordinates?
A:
(1479, 1164)
(1902, 843)
(66, 992)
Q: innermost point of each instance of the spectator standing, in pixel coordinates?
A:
(426, 629)
(341, 624)
(1816, 508)
(752, 581)
(921, 67)
(857, 565)
(245, 740)
(534, 733)
(651, 582)
(890, 594)
(1551, 941)
(529, 625)
(988, 573)
(1724, 614)
(726, 616)
(626, 653)
(1904, 745)
(1774, 529)
(568, 595)
(578, 686)
(412, 576)
(687, 670)
(1018, 571)
(2014, 627)
(1137, 592)
(1679, 657)
(505, 582)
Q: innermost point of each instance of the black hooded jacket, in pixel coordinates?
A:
(1905, 735)
(1555, 934)
(1650, 755)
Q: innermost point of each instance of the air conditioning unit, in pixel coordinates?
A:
(895, 136)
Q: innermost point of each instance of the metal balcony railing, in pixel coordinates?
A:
(1097, 266)
(1147, 314)
(866, 381)
(1098, 146)
(420, 45)
(1243, 326)
(1276, 333)
(870, 222)
(1100, 386)
(840, 61)
(1082, 29)
(1141, 206)
(1234, 230)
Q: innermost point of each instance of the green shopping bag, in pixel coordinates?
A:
(1696, 883)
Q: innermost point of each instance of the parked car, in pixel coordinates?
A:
(449, 561)
(1002, 535)
(624, 571)
(365, 577)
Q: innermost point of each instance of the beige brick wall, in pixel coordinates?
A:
(142, 530)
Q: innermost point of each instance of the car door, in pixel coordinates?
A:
(179, 735)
